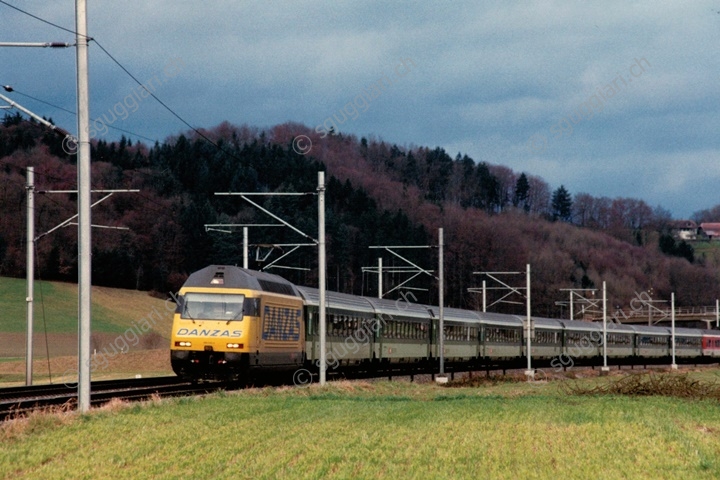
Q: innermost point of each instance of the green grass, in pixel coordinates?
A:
(376, 430)
(58, 303)
(710, 251)
(11, 359)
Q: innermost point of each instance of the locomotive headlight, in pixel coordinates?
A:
(183, 344)
(234, 345)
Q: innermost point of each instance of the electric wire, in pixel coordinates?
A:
(75, 114)
(42, 101)
(41, 19)
(175, 114)
(124, 69)
(42, 304)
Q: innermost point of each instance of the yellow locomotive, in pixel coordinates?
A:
(230, 321)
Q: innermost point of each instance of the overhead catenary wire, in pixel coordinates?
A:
(42, 307)
(40, 19)
(15, 90)
(133, 77)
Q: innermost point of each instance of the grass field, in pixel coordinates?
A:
(55, 331)
(709, 252)
(113, 310)
(146, 363)
(376, 430)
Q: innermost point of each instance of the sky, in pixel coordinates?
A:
(610, 98)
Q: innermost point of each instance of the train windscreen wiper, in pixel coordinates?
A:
(186, 314)
(239, 314)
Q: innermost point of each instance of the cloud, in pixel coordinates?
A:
(489, 77)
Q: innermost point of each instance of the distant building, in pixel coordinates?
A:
(710, 229)
(685, 229)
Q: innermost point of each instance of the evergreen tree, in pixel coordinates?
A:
(522, 190)
(410, 171)
(561, 204)
(669, 246)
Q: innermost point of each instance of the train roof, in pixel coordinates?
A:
(688, 332)
(400, 308)
(650, 330)
(579, 325)
(229, 276)
(335, 300)
(547, 323)
(455, 314)
(500, 319)
(618, 327)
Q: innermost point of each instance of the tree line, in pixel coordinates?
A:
(377, 194)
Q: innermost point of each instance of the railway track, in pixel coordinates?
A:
(16, 401)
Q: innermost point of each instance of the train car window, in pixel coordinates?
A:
(687, 342)
(502, 335)
(311, 322)
(347, 326)
(337, 326)
(251, 307)
(213, 306)
(341, 326)
(548, 338)
(180, 304)
(653, 340)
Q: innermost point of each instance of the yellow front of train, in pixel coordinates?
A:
(227, 323)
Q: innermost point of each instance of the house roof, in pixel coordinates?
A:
(711, 228)
(683, 224)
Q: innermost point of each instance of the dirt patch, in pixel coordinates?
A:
(64, 368)
(652, 384)
(64, 344)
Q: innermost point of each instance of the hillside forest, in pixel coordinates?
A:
(494, 219)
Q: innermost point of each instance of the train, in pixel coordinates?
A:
(235, 324)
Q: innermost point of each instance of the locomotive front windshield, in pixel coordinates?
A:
(213, 306)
